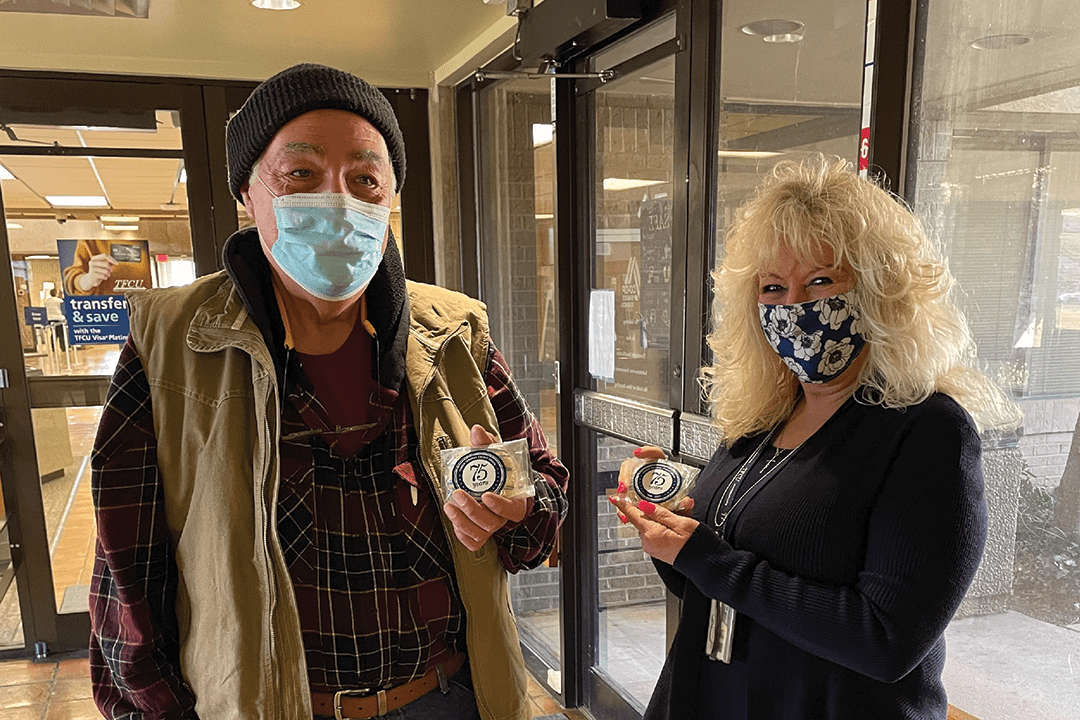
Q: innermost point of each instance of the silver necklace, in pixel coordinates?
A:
(773, 460)
(720, 518)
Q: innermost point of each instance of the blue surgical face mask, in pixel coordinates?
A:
(818, 339)
(330, 244)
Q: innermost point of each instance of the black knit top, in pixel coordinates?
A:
(845, 568)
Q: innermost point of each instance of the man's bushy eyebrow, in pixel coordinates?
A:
(305, 148)
(368, 154)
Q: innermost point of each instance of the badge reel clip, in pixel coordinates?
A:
(501, 468)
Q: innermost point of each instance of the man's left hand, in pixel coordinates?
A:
(474, 522)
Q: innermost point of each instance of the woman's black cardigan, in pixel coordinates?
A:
(845, 568)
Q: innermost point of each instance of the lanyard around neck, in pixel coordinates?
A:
(728, 501)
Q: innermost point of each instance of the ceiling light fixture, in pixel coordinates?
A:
(275, 4)
(783, 38)
(775, 31)
(747, 154)
(5, 174)
(614, 183)
(120, 228)
(1000, 42)
(13, 226)
(118, 219)
(77, 201)
(542, 133)
(39, 257)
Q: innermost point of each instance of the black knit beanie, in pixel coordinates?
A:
(293, 92)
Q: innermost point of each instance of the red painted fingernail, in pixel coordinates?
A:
(638, 451)
(623, 518)
(646, 507)
(611, 499)
(622, 487)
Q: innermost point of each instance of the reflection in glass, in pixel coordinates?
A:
(518, 286)
(996, 177)
(782, 99)
(631, 604)
(635, 136)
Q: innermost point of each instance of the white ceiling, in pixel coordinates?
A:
(391, 43)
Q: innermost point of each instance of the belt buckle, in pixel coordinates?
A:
(380, 697)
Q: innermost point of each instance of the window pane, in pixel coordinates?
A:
(783, 94)
(54, 231)
(631, 606)
(635, 136)
(518, 286)
(996, 178)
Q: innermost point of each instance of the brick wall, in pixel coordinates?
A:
(1048, 431)
(626, 574)
(518, 252)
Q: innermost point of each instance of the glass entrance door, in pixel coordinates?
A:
(519, 285)
(94, 187)
(634, 344)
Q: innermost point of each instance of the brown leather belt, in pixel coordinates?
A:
(360, 704)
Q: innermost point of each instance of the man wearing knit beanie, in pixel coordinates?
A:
(275, 535)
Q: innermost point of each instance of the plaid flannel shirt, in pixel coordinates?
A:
(403, 568)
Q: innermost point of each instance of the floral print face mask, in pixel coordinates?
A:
(819, 339)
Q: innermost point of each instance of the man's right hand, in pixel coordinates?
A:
(99, 270)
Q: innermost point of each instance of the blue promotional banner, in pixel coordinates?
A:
(96, 272)
(96, 319)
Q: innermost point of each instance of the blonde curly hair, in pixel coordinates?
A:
(918, 341)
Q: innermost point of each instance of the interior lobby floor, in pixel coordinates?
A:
(60, 690)
(992, 671)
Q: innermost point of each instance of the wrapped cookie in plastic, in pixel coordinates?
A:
(501, 468)
(661, 482)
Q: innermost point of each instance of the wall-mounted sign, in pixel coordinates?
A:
(35, 315)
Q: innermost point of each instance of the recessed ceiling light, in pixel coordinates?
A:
(13, 226)
(544, 216)
(614, 183)
(120, 228)
(275, 4)
(77, 200)
(1000, 42)
(121, 219)
(769, 28)
(39, 257)
(5, 174)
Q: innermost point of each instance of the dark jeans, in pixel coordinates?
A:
(459, 703)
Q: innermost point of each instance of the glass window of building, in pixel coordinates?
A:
(994, 171)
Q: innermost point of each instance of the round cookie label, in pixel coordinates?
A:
(478, 472)
(656, 483)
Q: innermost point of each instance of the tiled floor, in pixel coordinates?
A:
(46, 691)
(61, 691)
